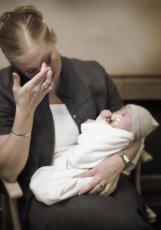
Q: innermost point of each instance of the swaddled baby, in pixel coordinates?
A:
(110, 133)
(133, 118)
(99, 139)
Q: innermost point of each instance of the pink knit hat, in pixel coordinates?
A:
(143, 123)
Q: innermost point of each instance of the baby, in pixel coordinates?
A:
(99, 139)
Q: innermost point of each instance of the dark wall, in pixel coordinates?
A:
(153, 141)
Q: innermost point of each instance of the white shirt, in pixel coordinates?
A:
(66, 130)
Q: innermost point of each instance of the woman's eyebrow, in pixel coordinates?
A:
(35, 68)
(31, 70)
(45, 57)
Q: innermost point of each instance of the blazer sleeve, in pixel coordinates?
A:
(115, 101)
(7, 108)
(104, 85)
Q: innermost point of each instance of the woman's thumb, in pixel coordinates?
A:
(16, 81)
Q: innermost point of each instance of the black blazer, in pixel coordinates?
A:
(85, 88)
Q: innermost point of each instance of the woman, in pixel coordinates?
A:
(99, 139)
(39, 76)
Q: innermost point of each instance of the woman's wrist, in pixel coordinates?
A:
(23, 122)
(116, 162)
(27, 113)
(133, 149)
(28, 134)
(120, 163)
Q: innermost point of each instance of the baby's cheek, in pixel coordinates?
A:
(123, 125)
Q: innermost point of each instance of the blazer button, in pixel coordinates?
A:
(74, 116)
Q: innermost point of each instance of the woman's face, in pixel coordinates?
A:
(30, 63)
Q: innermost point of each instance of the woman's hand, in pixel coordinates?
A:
(105, 176)
(30, 95)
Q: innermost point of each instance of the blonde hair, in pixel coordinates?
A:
(19, 29)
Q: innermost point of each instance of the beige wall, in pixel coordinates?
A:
(124, 35)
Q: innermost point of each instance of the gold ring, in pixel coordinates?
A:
(102, 186)
(45, 86)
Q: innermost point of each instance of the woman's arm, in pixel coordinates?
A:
(108, 171)
(14, 149)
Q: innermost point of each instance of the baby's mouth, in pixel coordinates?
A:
(115, 118)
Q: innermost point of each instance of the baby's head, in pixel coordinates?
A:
(135, 119)
(143, 123)
(122, 119)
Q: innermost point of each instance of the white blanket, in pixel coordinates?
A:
(98, 140)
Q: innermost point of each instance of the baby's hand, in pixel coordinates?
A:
(106, 115)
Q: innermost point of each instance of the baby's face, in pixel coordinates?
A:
(122, 119)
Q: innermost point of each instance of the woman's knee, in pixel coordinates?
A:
(88, 213)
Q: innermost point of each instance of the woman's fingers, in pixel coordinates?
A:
(37, 79)
(98, 188)
(106, 190)
(48, 81)
(31, 94)
(16, 81)
(49, 76)
(109, 188)
(89, 186)
(48, 89)
(43, 66)
(45, 75)
(88, 173)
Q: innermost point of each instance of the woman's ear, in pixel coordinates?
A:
(53, 34)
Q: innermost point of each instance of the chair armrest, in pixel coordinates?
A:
(13, 189)
(146, 156)
(14, 192)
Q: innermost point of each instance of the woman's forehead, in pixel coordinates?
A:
(34, 56)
